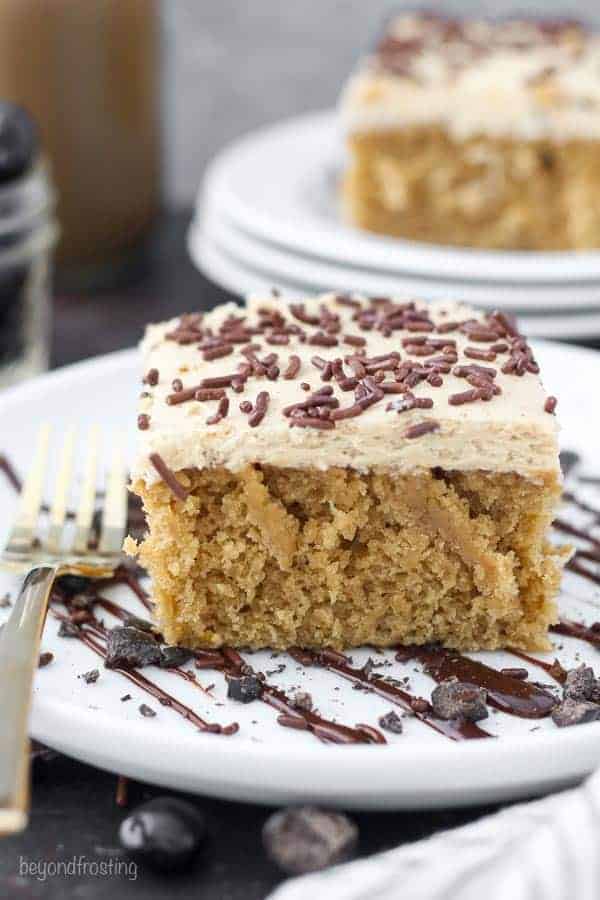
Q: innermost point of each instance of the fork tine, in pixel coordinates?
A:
(23, 532)
(58, 510)
(87, 500)
(114, 514)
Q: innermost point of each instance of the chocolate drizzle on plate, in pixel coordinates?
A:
(336, 662)
(508, 694)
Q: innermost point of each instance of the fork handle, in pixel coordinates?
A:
(19, 648)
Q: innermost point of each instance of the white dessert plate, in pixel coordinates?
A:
(251, 252)
(222, 268)
(265, 762)
(280, 184)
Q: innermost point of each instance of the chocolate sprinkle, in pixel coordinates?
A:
(417, 431)
(293, 367)
(168, 476)
(260, 409)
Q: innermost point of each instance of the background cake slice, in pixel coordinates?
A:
(485, 134)
(341, 471)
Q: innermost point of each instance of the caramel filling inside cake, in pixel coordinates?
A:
(496, 192)
(281, 557)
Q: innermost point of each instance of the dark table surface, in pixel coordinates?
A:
(74, 812)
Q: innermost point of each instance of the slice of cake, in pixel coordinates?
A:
(341, 471)
(484, 134)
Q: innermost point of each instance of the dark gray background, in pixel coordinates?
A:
(231, 65)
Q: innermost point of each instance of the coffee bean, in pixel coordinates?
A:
(304, 839)
(164, 834)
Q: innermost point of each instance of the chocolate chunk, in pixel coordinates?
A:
(125, 697)
(90, 677)
(45, 658)
(142, 624)
(305, 839)
(146, 711)
(5, 601)
(164, 834)
(580, 684)
(303, 700)
(391, 722)
(68, 629)
(573, 712)
(245, 688)
(128, 647)
(172, 656)
(459, 700)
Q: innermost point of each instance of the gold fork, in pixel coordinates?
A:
(43, 559)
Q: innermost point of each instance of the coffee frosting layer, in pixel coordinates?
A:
(519, 78)
(424, 401)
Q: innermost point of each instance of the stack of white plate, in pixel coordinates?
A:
(267, 216)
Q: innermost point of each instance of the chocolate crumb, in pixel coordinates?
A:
(307, 839)
(177, 385)
(128, 647)
(90, 677)
(580, 684)
(45, 658)
(391, 722)
(146, 711)
(244, 688)
(125, 698)
(459, 700)
(143, 422)
(303, 700)
(550, 405)
(172, 656)
(151, 377)
(68, 630)
(418, 705)
(575, 712)
(5, 601)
